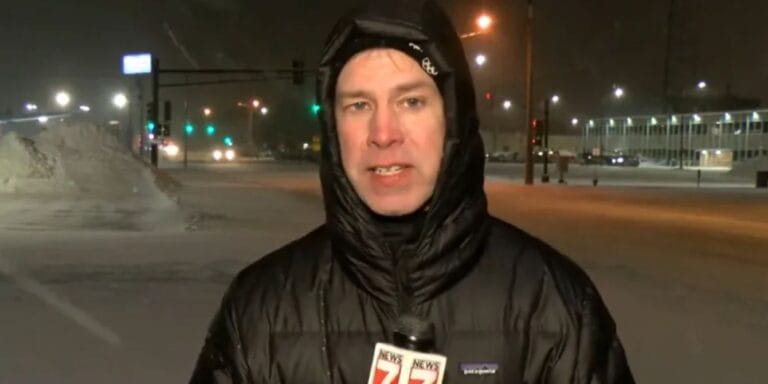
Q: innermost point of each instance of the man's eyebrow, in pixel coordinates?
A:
(354, 94)
(412, 86)
(400, 88)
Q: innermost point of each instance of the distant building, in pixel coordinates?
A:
(679, 138)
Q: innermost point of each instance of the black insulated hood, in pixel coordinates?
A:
(455, 221)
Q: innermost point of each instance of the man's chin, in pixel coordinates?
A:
(394, 206)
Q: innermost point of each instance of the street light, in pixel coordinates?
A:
(507, 104)
(618, 92)
(554, 99)
(255, 103)
(574, 121)
(484, 22)
(702, 85)
(480, 59)
(30, 107)
(207, 111)
(120, 100)
(62, 99)
(264, 110)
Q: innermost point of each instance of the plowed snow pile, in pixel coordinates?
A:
(77, 175)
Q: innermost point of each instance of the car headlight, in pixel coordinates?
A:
(171, 150)
(229, 154)
(217, 155)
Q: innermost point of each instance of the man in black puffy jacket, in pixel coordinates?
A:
(407, 232)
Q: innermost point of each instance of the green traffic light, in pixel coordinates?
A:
(228, 141)
(189, 129)
(150, 126)
(210, 130)
(315, 109)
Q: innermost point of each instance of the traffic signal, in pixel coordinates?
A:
(189, 129)
(315, 108)
(298, 71)
(488, 98)
(151, 117)
(537, 126)
(210, 130)
(227, 140)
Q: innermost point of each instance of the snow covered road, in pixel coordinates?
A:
(688, 295)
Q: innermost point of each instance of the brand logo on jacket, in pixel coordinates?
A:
(478, 369)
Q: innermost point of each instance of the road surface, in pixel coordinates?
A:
(684, 271)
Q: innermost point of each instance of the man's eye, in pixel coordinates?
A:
(357, 106)
(413, 102)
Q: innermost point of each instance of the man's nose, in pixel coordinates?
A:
(385, 129)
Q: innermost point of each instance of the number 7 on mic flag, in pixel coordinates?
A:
(393, 365)
(387, 365)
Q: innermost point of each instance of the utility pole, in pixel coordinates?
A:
(185, 132)
(545, 175)
(529, 94)
(665, 84)
(155, 110)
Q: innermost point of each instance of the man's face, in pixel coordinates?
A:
(391, 127)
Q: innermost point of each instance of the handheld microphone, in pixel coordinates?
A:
(414, 333)
(409, 361)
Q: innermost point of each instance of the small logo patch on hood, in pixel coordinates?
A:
(426, 63)
(478, 369)
(416, 47)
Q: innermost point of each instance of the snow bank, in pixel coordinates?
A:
(23, 166)
(78, 174)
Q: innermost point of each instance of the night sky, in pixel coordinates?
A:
(582, 48)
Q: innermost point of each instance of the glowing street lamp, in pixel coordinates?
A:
(702, 85)
(480, 59)
(63, 99)
(207, 111)
(264, 110)
(618, 92)
(507, 104)
(255, 103)
(120, 100)
(555, 99)
(574, 122)
(484, 22)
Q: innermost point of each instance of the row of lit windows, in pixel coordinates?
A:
(696, 129)
(663, 153)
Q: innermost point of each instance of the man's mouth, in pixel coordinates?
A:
(388, 170)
